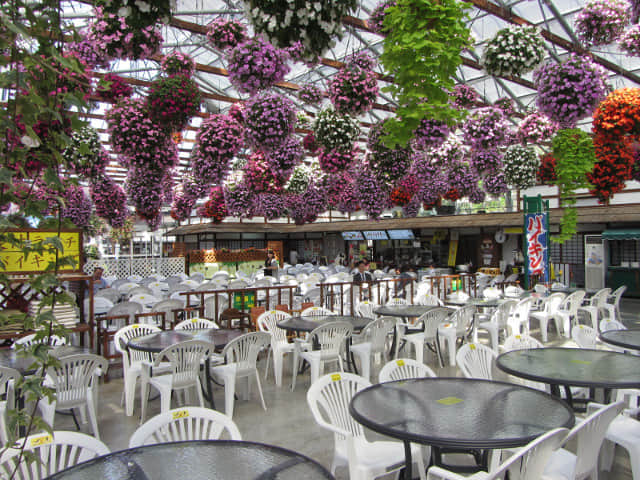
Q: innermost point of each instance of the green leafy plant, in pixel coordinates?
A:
(422, 53)
(575, 157)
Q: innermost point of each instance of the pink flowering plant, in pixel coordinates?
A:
(218, 140)
(430, 134)
(601, 22)
(85, 48)
(178, 63)
(310, 94)
(334, 161)
(225, 33)
(353, 90)
(239, 199)
(173, 101)
(285, 157)
(110, 201)
(506, 105)
(536, 128)
(486, 161)
(256, 65)
(111, 88)
(485, 128)
(464, 96)
(513, 51)
(571, 90)
(144, 187)
(376, 19)
(259, 177)
(77, 206)
(452, 150)
(388, 164)
(270, 119)
(270, 206)
(629, 41)
(362, 60)
(310, 144)
(334, 131)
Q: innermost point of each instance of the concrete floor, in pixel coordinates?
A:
(287, 422)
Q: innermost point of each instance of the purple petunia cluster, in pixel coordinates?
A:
(255, 65)
(239, 199)
(270, 206)
(112, 88)
(145, 192)
(310, 94)
(370, 193)
(629, 41)
(495, 184)
(600, 22)
(110, 202)
(269, 120)
(285, 157)
(77, 206)
(376, 19)
(334, 161)
(464, 96)
(430, 134)
(388, 164)
(486, 161)
(178, 63)
(485, 128)
(536, 128)
(353, 90)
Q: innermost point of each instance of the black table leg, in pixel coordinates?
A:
(408, 461)
(209, 381)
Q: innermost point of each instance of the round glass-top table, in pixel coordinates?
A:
(156, 342)
(199, 460)
(629, 339)
(26, 365)
(458, 413)
(404, 311)
(476, 302)
(578, 367)
(309, 323)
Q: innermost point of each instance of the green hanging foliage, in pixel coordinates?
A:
(422, 53)
(575, 157)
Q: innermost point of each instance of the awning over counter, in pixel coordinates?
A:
(622, 234)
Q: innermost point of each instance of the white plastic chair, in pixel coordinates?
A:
(54, 453)
(74, 380)
(330, 339)
(139, 290)
(125, 287)
(459, 325)
(397, 301)
(404, 368)
(607, 324)
(589, 434)
(527, 463)
(597, 306)
(197, 277)
(549, 311)
(134, 278)
(429, 299)
(498, 322)
(167, 307)
(195, 324)
(329, 398)
(184, 424)
(476, 360)
(241, 355)
(131, 359)
(584, 336)
(101, 304)
(568, 310)
(429, 322)
(374, 344)
(518, 321)
(185, 359)
(280, 345)
(613, 302)
(111, 294)
(365, 308)
(520, 342)
(8, 378)
(316, 312)
(29, 340)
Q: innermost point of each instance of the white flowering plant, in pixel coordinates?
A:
(513, 51)
(316, 25)
(140, 13)
(520, 166)
(334, 131)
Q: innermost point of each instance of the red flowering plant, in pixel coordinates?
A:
(619, 113)
(404, 191)
(259, 177)
(353, 90)
(334, 161)
(218, 140)
(173, 101)
(111, 88)
(178, 63)
(214, 208)
(613, 166)
(226, 33)
(547, 171)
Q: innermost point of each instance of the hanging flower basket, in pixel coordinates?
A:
(305, 207)
(214, 208)
(259, 177)
(111, 88)
(181, 208)
(334, 131)
(299, 179)
(388, 164)
(140, 13)
(600, 22)
(629, 41)
(353, 90)
(495, 184)
(462, 178)
(173, 101)
(284, 158)
(536, 128)
(506, 105)
(547, 171)
(486, 162)
(270, 206)
(370, 193)
(513, 51)
(430, 134)
(84, 154)
(485, 128)
(316, 25)
(310, 94)
(613, 167)
(569, 91)
(110, 201)
(619, 114)
(226, 33)
(239, 199)
(255, 65)
(178, 63)
(464, 96)
(520, 166)
(270, 120)
(144, 187)
(335, 161)
(77, 206)
(376, 19)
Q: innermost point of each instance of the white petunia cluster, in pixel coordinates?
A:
(520, 166)
(513, 51)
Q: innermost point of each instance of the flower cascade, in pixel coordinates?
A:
(310, 94)
(388, 164)
(178, 63)
(214, 208)
(110, 201)
(485, 128)
(536, 128)
(77, 206)
(335, 131)
(600, 22)
(111, 88)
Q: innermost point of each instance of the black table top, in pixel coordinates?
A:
(199, 460)
(307, 324)
(579, 367)
(156, 342)
(459, 412)
(404, 310)
(26, 365)
(622, 338)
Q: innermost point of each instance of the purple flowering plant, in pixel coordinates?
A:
(376, 19)
(601, 22)
(110, 201)
(334, 161)
(486, 162)
(353, 90)
(285, 157)
(77, 206)
(388, 164)
(310, 94)
(430, 134)
(259, 177)
(269, 120)
(485, 128)
(536, 128)
(506, 105)
(173, 101)
(495, 184)
(629, 41)
(270, 206)
(464, 96)
(178, 63)
(226, 33)
(112, 88)
(239, 199)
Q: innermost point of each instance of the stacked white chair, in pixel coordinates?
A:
(280, 345)
(195, 324)
(527, 463)
(607, 324)
(135, 278)
(548, 311)
(8, 378)
(329, 398)
(330, 338)
(568, 311)
(584, 336)
(518, 321)
(185, 359)
(167, 307)
(125, 287)
(75, 381)
(374, 337)
(476, 360)
(241, 356)
(197, 277)
(131, 360)
(498, 322)
(596, 308)
(459, 325)
(403, 369)
(53, 453)
(28, 340)
(137, 291)
(183, 425)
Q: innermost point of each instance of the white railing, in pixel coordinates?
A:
(143, 266)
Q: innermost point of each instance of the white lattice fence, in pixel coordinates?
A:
(123, 267)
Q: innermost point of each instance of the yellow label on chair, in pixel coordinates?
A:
(180, 414)
(335, 377)
(518, 337)
(400, 363)
(194, 320)
(41, 440)
(135, 325)
(472, 346)
(449, 400)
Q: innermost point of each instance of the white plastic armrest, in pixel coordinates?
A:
(333, 428)
(437, 473)
(145, 368)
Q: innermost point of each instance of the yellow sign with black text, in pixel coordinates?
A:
(13, 259)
